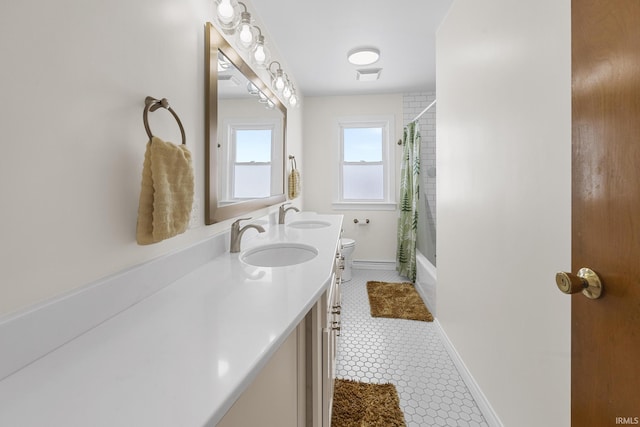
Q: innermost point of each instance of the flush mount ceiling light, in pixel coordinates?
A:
(363, 55)
(368, 75)
(223, 64)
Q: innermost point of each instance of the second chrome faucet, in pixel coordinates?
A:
(237, 232)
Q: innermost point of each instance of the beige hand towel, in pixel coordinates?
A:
(294, 184)
(166, 196)
(294, 181)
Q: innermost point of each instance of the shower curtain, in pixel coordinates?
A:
(409, 194)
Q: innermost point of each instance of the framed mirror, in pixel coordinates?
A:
(245, 129)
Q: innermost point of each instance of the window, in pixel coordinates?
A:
(246, 155)
(251, 175)
(365, 171)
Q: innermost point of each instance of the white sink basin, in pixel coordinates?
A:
(309, 223)
(278, 254)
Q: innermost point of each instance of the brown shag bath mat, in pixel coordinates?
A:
(357, 404)
(397, 300)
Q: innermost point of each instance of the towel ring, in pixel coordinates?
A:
(152, 104)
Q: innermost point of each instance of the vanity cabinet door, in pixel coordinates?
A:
(330, 347)
(272, 400)
(323, 322)
(316, 322)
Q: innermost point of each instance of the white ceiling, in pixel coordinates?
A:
(313, 38)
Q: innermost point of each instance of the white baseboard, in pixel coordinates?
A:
(483, 404)
(363, 264)
(425, 299)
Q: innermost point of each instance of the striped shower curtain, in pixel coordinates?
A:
(409, 191)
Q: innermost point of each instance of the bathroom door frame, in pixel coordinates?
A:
(605, 339)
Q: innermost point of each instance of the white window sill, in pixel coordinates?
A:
(364, 206)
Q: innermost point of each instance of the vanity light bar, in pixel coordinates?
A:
(234, 17)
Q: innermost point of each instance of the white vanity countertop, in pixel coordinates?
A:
(181, 356)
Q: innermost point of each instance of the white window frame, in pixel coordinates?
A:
(388, 202)
(227, 161)
(233, 164)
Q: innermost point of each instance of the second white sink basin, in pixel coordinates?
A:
(309, 223)
(279, 254)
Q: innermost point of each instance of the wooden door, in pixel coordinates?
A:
(605, 376)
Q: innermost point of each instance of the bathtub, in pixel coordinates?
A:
(426, 278)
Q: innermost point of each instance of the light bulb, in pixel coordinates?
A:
(286, 92)
(279, 82)
(225, 11)
(259, 55)
(246, 36)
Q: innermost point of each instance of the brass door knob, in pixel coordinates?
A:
(586, 281)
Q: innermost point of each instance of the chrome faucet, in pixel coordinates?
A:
(237, 232)
(284, 211)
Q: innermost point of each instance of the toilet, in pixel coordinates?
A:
(348, 246)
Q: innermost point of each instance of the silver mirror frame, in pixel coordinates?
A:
(215, 43)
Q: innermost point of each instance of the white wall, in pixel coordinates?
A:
(504, 163)
(73, 79)
(376, 241)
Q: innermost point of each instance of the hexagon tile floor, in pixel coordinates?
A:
(407, 353)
